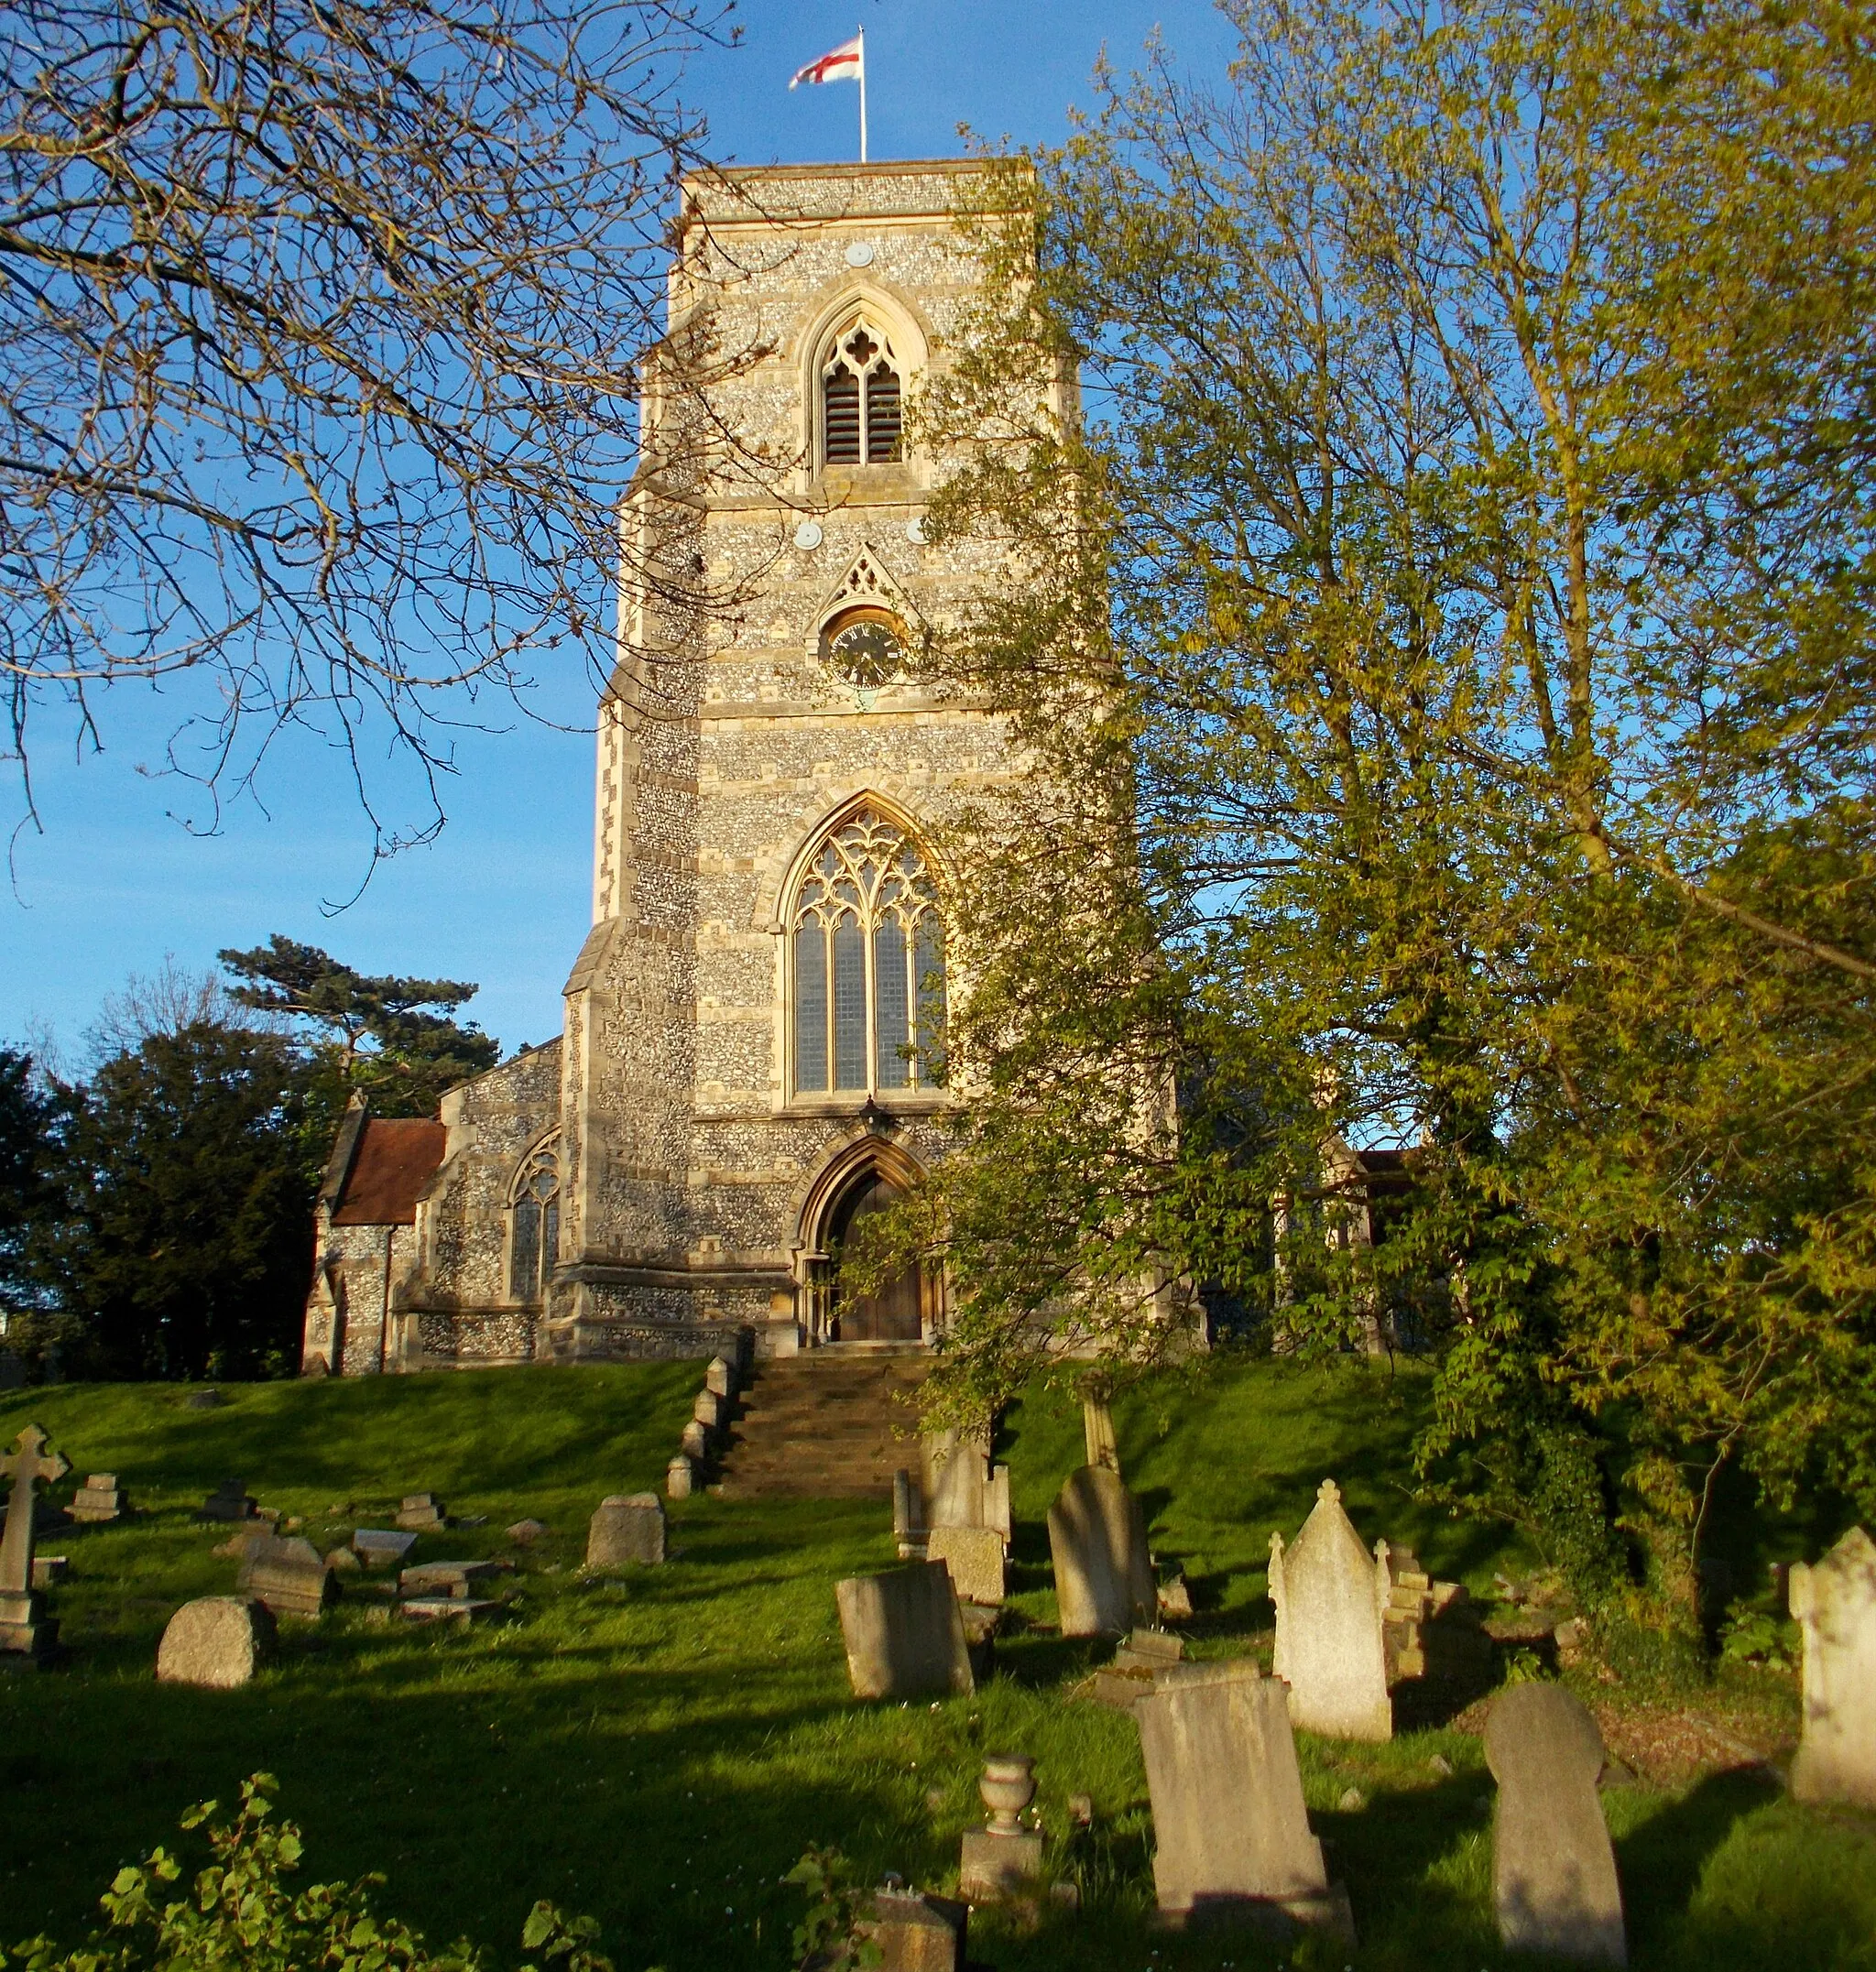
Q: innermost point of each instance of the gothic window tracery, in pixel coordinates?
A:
(867, 962)
(862, 415)
(534, 1223)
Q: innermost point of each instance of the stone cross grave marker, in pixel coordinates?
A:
(1104, 1575)
(1331, 1596)
(1231, 1831)
(1835, 1603)
(627, 1527)
(1553, 1870)
(23, 1627)
(1098, 1436)
(904, 1633)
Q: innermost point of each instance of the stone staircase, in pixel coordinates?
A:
(824, 1425)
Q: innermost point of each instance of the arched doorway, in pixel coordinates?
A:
(890, 1313)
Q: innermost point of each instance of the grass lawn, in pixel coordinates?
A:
(658, 1751)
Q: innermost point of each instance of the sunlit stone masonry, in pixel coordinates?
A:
(748, 1061)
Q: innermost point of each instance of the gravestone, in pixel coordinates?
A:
(25, 1629)
(680, 1478)
(908, 1517)
(695, 1441)
(421, 1513)
(628, 1527)
(1097, 1538)
(720, 1379)
(229, 1501)
(202, 1400)
(1130, 1675)
(49, 1570)
(290, 1577)
(524, 1533)
(1099, 1438)
(975, 1557)
(217, 1642)
(379, 1547)
(1230, 1832)
(1553, 1870)
(1002, 1859)
(1835, 1604)
(916, 1932)
(98, 1500)
(1331, 1596)
(958, 1486)
(239, 1545)
(904, 1634)
(450, 1578)
(1175, 1598)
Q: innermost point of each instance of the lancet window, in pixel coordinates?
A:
(862, 417)
(534, 1223)
(868, 958)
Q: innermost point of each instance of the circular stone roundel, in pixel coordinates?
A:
(866, 652)
(859, 254)
(808, 535)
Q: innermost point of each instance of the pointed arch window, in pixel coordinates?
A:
(868, 952)
(534, 1223)
(862, 415)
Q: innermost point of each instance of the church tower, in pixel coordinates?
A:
(752, 1056)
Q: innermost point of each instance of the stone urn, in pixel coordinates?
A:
(1009, 1785)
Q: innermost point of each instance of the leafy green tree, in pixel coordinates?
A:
(184, 1244)
(375, 1034)
(1443, 645)
(29, 1204)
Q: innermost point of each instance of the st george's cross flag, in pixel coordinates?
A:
(845, 64)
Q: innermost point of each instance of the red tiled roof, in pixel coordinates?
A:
(396, 1158)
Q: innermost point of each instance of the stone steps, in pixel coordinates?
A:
(824, 1426)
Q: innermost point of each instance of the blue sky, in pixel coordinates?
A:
(116, 881)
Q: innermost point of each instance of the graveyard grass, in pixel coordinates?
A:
(659, 1748)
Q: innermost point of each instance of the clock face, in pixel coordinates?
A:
(866, 653)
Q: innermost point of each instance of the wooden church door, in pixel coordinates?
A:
(891, 1314)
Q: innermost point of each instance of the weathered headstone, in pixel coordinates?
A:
(721, 1378)
(1331, 1595)
(98, 1500)
(975, 1557)
(1104, 1573)
(49, 1570)
(1128, 1677)
(290, 1577)
(680, 1478)
(628, 1527)
(904, 1633)
(450, 1578)
(958, 1486)
(908, 1517)
(25, 1629)
(1430, 1629)
(218, 1641)
(1231, 1831)
(382, 1547)
(917, 1933)
(229, 1501)
(421, 1513)
(202, 1400)
(1002, 1859)
(1835, 1604)
(1099, 1438)
(1553, 1869)
(524, 1533)
(241, 1544)
(460, 1609)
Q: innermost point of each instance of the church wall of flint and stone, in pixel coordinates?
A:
(694, 1185)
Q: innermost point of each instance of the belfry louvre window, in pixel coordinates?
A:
(868, 964)
(534, 1223)
(862, 420)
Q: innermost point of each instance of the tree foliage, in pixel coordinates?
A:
(1445, 644)
(376, 1034)
(322, 325)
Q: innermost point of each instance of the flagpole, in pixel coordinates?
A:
(861, 38)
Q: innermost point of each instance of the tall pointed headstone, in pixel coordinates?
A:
(23, 1627)
(1332, 1598)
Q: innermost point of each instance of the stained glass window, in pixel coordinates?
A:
(868, 949)
(534, 1223)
